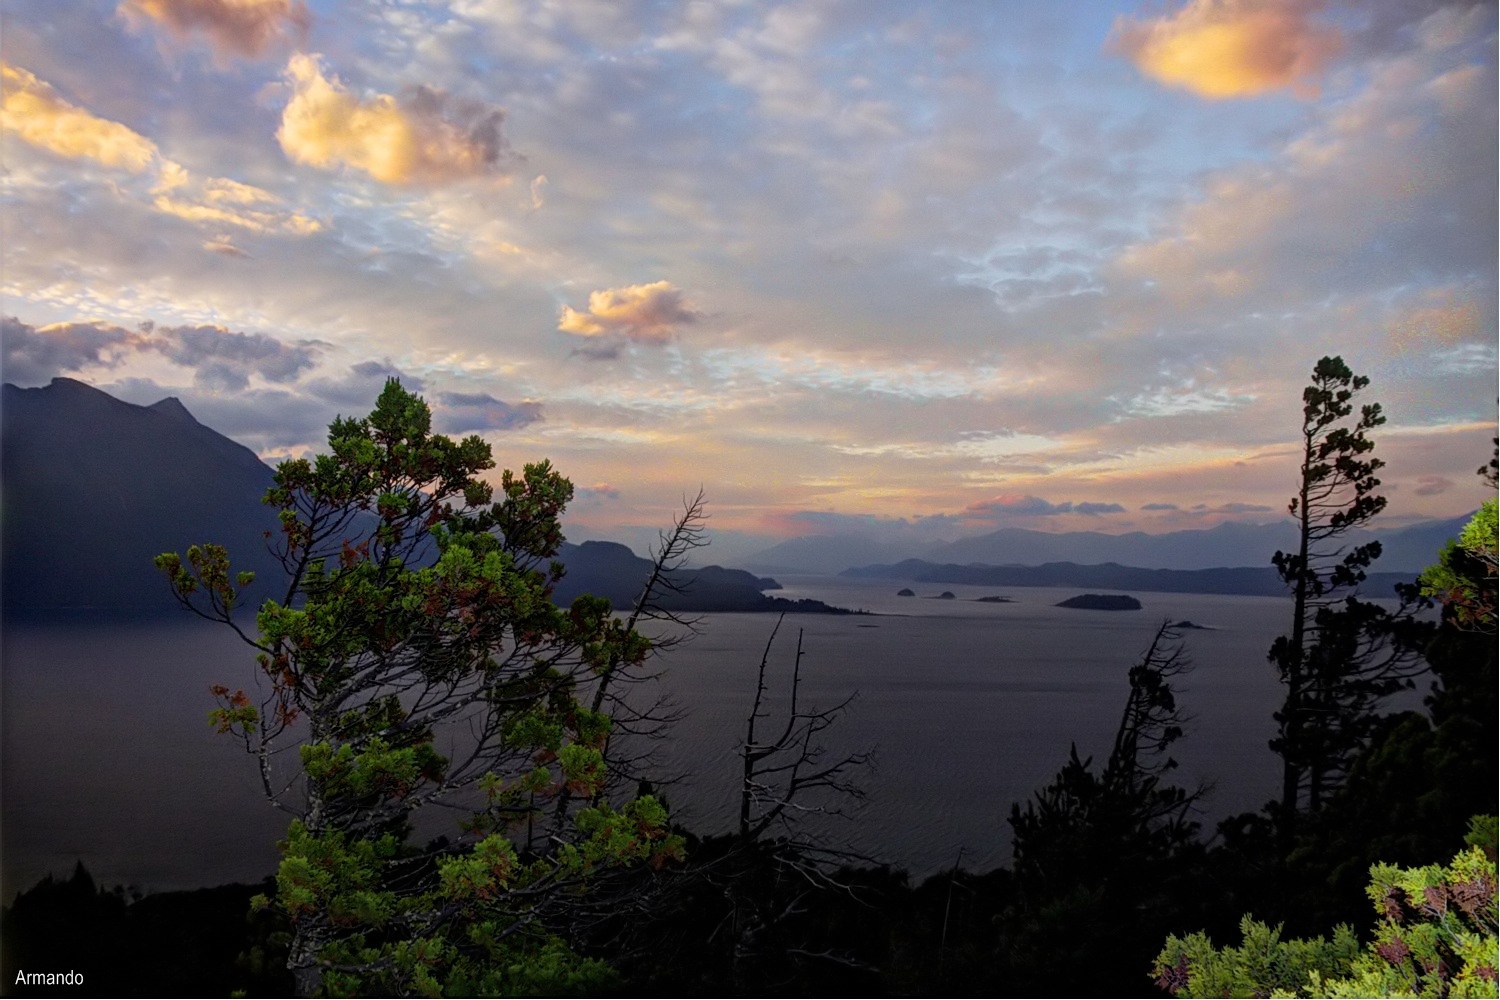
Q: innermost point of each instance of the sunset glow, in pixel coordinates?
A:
(883, 267)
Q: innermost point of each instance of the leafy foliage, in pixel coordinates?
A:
(1463, 578)
(415, 659)
(1436, 937)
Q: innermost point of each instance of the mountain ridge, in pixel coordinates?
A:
(95, 487)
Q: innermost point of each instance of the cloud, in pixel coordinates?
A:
(1025, 505)
(1233, 507)
(597, 492)
(424, 137)
(233, 27)
(224, 359)
(33, 111)
(465, 412)
(825, 522)
(220, 201)
(31, 355)
(643, 314)
(221, 359)
(1160, 506)
(1431, 486)
(359, 389)
(1231, 48)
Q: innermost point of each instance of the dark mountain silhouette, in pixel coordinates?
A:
(1253, 580)
(609, 569)
(95, 488)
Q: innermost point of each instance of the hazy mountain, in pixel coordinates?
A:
(1406, 550)
(95, 488)
(1229, 544)
(1258, 580)
(828, 554)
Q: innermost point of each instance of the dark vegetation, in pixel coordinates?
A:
(1102, 602)
(1111, 859)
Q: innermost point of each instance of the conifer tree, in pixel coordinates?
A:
(1337, 662)
(416, 659)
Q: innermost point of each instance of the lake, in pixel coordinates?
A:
(970, 706)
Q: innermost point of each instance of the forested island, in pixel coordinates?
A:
(1102, 602)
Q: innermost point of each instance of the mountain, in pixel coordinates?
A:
(609, 569)
(95, 488)
(826, 555)
(1406, 550)
(1256, 580)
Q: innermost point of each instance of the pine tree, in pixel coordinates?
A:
(417, 660)
(1337, 662)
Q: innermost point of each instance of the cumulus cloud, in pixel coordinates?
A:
(1231, 48)
(425, 136)
(1025, 505)
(466, 412)
(33, 111)
(225, 359)
(1385, 185)
(33, 355)
(642, 314)
(220, 358)
(357, 390)
(232, 27)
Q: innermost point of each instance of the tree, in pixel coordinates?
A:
(1436, 937)
(1105, 862)
(1337, 663)
(415, 660)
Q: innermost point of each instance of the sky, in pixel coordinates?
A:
(917, 271)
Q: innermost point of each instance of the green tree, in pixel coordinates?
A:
(1337, 662)
(1436, 937)
(416, 660)
(1463, 578)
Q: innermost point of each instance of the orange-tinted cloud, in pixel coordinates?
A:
(219, 200)
(33, 111)
(233, 27)
(647, 314)
(1231, 48)
(424, 137)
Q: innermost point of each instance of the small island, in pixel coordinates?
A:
(995, 600)
(1102, 602)
(946, 595)
(906, 592)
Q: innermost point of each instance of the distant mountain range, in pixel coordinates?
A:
(1406, 550)
(1252, 580)
(94, 488)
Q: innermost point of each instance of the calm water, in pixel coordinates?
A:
(108, 758)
